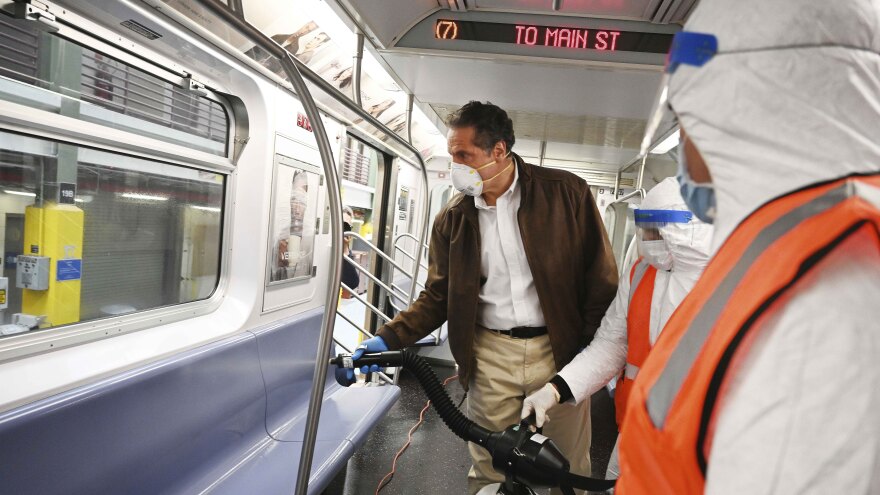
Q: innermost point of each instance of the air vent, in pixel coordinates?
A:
(457, 5)
(669, 11)
(141, 29)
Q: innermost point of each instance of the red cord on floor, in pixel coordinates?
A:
(388, 477)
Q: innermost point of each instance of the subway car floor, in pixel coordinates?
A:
(437, 461)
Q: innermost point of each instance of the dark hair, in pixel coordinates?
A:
(491, 124)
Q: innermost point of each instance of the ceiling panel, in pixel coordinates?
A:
(386, 20)
(661, 11)
(620, 9)
(582, 139)
(553, 89)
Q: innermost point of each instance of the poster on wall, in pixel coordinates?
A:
(294, 214)
(307, 33)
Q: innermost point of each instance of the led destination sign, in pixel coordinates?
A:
(612, 40)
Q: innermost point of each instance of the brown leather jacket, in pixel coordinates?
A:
(569, 255)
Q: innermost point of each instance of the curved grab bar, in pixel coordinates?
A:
(403, 252)
(334, 190)
(375, 249)
(374, 278)
(366, 303)
(297, 72)
(622, 199)
(410, 236)
(294, 75)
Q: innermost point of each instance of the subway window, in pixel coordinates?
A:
(89, 234)
(45, 71)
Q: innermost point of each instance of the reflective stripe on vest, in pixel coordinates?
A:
(666, 438)
(667, 387)
(638, 331)
(631, 371)
(638, 272)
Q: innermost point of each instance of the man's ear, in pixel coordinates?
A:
(500, 150)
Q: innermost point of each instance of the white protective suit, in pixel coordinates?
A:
(793, 98)
(690, 245)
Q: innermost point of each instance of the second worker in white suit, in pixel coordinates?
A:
(674, 247)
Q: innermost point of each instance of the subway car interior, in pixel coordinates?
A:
(209, 205)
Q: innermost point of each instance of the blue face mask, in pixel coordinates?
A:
(700, 198)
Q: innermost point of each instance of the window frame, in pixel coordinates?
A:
(32, 122)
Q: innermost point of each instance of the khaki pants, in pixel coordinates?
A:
(507, 370)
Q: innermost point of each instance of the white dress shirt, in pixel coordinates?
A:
(508, 299)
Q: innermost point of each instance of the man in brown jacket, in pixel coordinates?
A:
(522, 270)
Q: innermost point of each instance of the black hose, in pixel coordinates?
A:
(463, 427)
(513, 452)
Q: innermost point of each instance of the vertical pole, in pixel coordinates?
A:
(295, 71)
(542, 153)
(409, 112)
(641, 173)
(356, 80)
(333, 192)
(616, 184)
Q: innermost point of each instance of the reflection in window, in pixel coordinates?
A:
(89, 234)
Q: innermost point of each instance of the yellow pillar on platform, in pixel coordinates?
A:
(55, 231)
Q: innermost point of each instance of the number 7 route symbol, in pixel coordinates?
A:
(446, 30)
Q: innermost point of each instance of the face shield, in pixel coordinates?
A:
(650, 225)
(687, 48)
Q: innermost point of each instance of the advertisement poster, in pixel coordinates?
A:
(310, 40)
(315, 36)
(294, 213)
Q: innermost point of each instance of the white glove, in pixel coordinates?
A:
(540, 402)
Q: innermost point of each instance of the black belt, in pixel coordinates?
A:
(523, 332)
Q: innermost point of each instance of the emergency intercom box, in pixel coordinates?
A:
(32, 272)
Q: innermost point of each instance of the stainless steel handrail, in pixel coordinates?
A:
(393, 263)
(356, 78)
(405, 253)
(622, 199)
(640, 191)
(294, 75)
(374, 248)
(374, 278)
(408, 235)
(366, 303)
(334, 193)
(297, 72)
(267, 43)
(328, 88)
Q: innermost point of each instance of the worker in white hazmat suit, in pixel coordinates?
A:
(674, 248)
(767, 377)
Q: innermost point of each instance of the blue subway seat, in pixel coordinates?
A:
(221, 417)
(430, 340)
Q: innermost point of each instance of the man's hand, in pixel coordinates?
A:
(345, 376)
(371, 345)
(540, 403)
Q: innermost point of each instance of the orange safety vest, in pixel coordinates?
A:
(667, 436)
(638, 331)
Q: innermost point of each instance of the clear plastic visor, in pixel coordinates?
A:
(688, 48)
(650, 222)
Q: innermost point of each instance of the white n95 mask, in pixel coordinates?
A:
(466, 180)
(656, 253)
